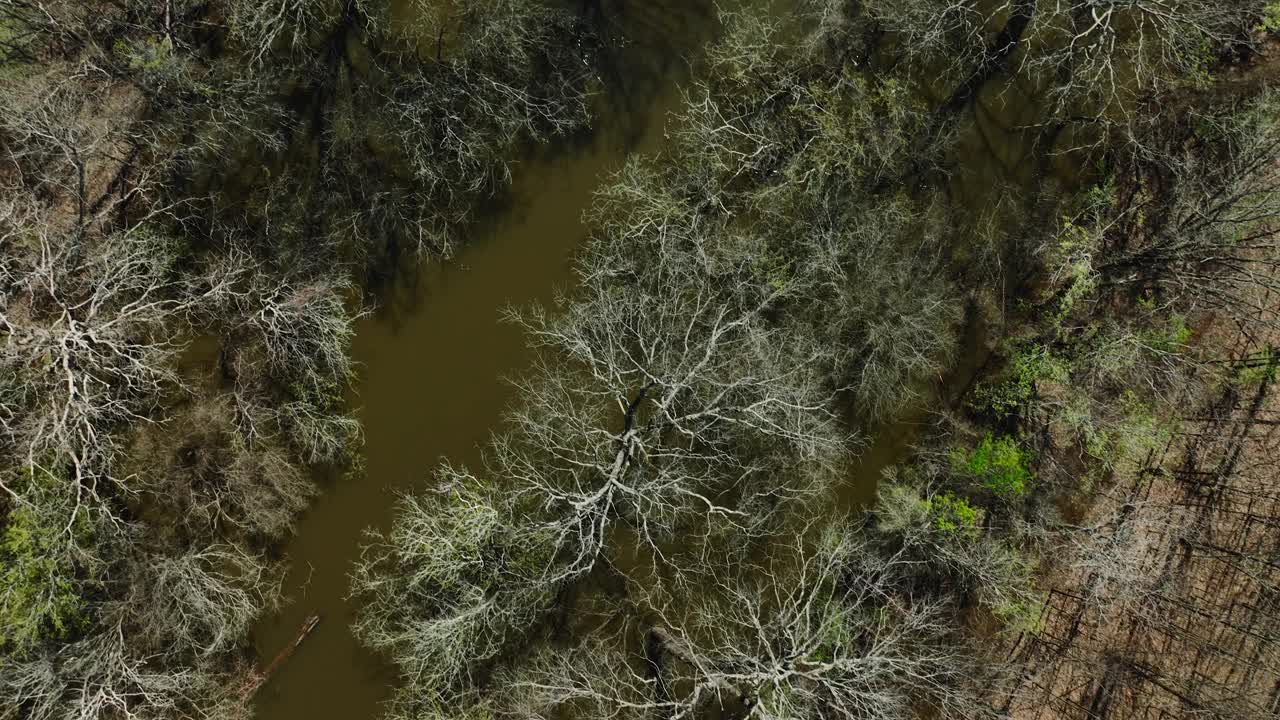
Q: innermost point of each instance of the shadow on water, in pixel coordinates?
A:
(644, 56)
(643, 45)
(433, 357)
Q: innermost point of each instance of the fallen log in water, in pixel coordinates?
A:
(260, 677)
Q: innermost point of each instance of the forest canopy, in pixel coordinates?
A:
(921, 369)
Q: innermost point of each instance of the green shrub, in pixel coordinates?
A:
(999, 465)
(951, 515)
(40, 588)
(1028, 366)
(1271, 17)
(1170, 336)
(1248, 376)
(1022, 614)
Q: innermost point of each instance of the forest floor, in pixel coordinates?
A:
(1169, 605)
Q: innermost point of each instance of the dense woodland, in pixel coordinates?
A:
(1037, 237)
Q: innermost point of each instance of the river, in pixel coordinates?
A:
(434, 357)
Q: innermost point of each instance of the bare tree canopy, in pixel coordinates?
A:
(921, 368)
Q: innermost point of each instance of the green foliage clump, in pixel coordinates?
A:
(999, 465)
(9, 32)
(1023, 614)
(1253, 375)
(150, 54)
(1168, 337)
(1141, 431)
(951, 515)
(1102, 196)
(1075, 245)
(1270, 17)
(322, 393)
(841, 633)
(1079, 415)
(777, 271)
(154, 64)
(1197, 60)
(1028, 366)
(40, 593)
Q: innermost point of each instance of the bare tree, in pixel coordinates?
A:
(835, 633)
(221, 478)
(456, 87)
(1114, 553)
(1207, 240)
(450, 586)
(500, 73)
(1113, 52)
(203, 601)
(63, 151)
(100, 676)
(665, 394)
(89, 337)
(803, 148)
(303, 326)
(293, 331)
(942, 544)
(1094, 59)
(261, 27)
